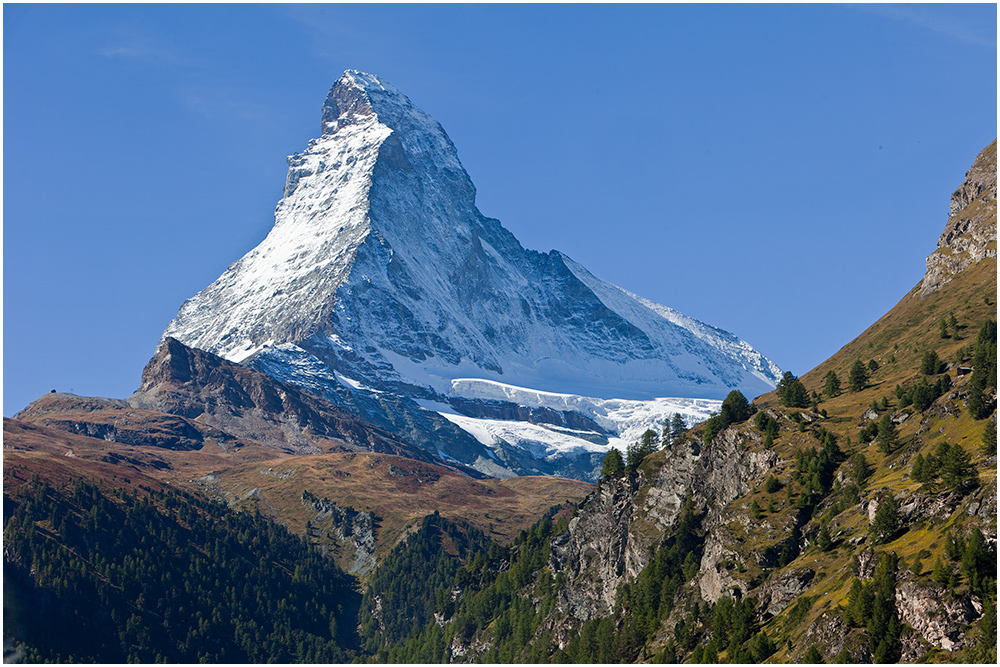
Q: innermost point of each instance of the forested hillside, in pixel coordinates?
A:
(143, 575)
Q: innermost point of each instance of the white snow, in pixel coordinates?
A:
(625, 420)
(378, 246)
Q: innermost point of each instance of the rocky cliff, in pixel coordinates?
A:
(970, 234)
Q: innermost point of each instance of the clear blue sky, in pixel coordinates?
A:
(780, 171)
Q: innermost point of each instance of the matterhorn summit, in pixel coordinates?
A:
(381, 286)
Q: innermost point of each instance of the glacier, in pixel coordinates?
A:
(380, 280)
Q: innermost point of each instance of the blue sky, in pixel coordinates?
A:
(780, 171)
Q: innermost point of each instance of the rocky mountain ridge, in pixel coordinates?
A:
(969, 237)
(380, 276)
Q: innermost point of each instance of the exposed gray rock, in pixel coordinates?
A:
(939, 617)
(780, 591)
(350, 527)
(971, 233)
(833, 635)
(728, 469)
(616, 531)
(864, 564)
(599, 552)
(714, 579)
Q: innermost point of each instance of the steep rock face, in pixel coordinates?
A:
(599, 552)
(352, 528)
(971, 232)
(618, 527)
(380, 274)
(940, 617)
(778, 592)
(246, 403)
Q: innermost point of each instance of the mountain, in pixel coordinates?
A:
(856, 527)
(381, 277)
(220, 514)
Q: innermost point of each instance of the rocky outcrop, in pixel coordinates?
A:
(116, 421)
(940, 617)
(251, 404)
(599, 552)
(620, 525)
(351, 528)
(971, 232)
(834, 636)
(717, 561)
(728, 468)
(780, 591)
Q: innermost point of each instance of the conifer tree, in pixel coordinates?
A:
(984, 372)
(888, 436)
(612, 463)
(941, 572)
(917, 472)
(677, 427)
(792, 392)
(831, 385)
(857, 379)
(813, 656)
(823, 541)
(930, 364)
(956, 468)
(990, 437)
(887, 520)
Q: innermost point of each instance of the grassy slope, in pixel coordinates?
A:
(399, 491)
(897, 342)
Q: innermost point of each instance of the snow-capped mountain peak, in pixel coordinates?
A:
(381, 270)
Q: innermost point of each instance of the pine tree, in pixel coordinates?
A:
(735, 408)
(772, 484)
(823, 541)
(884, 627)
(612, 463)
(956, 468)
(941, 572)
(985, 649)
(859, 468)
(888, 436)
(887, 520)
(831, 384)
(857, 379)
(930, 364)
(677, 427)
(984, 372)
(792, 392)
(813, 656)
(990, 437)
(917, 472)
